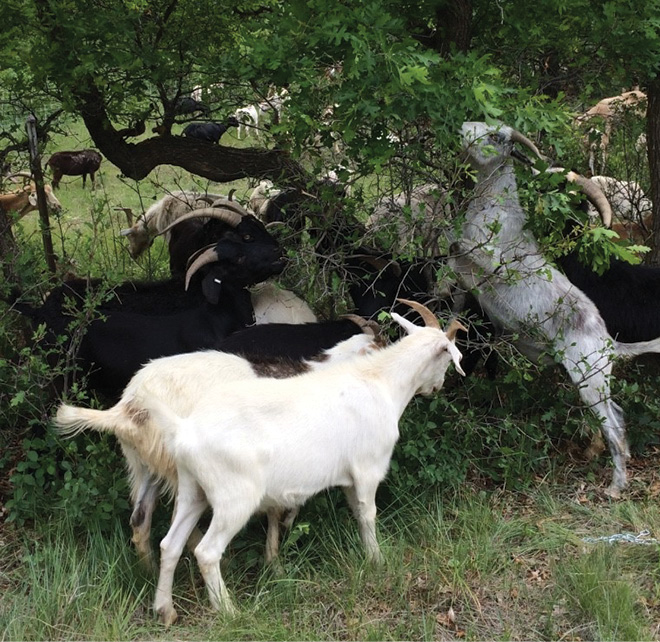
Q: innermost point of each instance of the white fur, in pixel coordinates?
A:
(161, 214)
(276, 443)
(429, 210)
(273, 304)
(249, 118)
(179, 380)
(500, 260)
(632, 210)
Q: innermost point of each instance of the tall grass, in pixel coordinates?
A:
(471, 566)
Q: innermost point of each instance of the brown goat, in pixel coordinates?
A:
(24, 200)
(83, 162)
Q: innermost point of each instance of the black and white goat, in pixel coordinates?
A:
(499, 260)
(277, 442)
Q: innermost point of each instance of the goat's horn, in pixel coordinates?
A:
(429, 318)
(233, 206)
(193, 257)
(517, 137)
(27, 175)
(453, 328)
(221, 213)
(368, 327)
(209, 256)
(595, 195)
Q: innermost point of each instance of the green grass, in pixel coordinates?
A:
(91, 212)
(473, 566)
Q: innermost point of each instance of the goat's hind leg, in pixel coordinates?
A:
(594, 390)
(144, 496)
(190, 505)
(143, 511)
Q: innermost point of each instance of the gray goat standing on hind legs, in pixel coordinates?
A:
(500, 261)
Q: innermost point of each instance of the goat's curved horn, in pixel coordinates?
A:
(221, 213)
(193, 257)
(27, 175)
(453, 328)
(233, 206)
(368, 327)
(429, 318)
(595, 195)
(210, 255)
(517, 137)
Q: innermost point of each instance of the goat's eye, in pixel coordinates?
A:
(247, 238)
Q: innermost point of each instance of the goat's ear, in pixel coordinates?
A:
(456, 357)
(211, 288)
(405, 324)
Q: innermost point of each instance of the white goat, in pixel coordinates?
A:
(632, 210)
(249, 118)
(162, 214)
(182, 378)
(260, 195)
(500, 261)
(273, 304)
(415, 217)
(275, 443)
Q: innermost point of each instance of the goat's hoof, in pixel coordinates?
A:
(167, 615)
(613, 492)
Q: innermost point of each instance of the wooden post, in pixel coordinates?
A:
(35, 168)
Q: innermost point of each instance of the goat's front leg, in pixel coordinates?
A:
(190, 505)
(362, 500)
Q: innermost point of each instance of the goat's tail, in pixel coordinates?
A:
(160, 414)
(628, 350)
(72, 420)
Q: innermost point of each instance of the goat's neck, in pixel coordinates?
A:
(494, 216)
(403, 368)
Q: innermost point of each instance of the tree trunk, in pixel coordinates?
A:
(653, 151)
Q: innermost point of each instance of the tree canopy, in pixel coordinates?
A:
(363, 72)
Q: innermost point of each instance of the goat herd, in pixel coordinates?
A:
(246, 418)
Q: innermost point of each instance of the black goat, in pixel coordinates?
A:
(144, 323)
(209, 132)
(80, 163)
(188, 105)
(192, 233)
(261, 344)
(626, 296)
